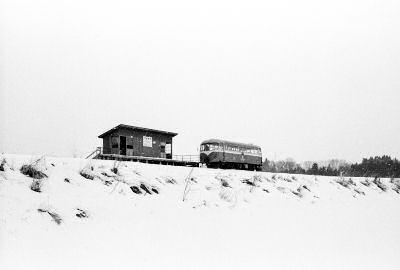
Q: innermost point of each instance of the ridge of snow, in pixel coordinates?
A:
(211, 218)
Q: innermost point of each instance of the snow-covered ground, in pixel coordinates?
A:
(200, 219)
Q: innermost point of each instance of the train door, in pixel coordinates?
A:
(122, 145)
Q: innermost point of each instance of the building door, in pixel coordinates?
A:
(168, 150)
(162, 149)
(122, 145)
(129, 146)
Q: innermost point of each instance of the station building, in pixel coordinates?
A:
(129, 141)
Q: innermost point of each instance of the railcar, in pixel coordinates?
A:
(223, 154)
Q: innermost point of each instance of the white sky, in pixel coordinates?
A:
(306, 79)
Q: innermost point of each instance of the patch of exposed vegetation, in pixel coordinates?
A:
(106, 174)
(297, 192)
(85, 173)
(36, 185)
(81, 213)
(56, 217)
(66, 180)
(359, 191)
(287, 179)
(366, 182)
(115, 167)
(169, 180)
(252, 181)
(145, 188)
(396, 185)
(345, 182)
(2, 165)
(135, 189)
(249, 182)
(225, 183)
(107, 182)
(379, 184)
(31, 171)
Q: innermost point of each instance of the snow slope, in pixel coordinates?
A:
(200, 219)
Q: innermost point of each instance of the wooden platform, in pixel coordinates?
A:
(151, 160)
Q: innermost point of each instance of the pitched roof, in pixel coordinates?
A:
(120, 126)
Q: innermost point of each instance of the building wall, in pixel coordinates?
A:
(137, 137)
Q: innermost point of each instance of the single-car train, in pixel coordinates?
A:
(223, 154)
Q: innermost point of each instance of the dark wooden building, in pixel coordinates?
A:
(128, 141)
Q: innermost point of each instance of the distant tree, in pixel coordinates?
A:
(314, 169)
(377, 166)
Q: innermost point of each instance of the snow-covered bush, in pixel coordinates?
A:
(366, 182)
(36, 185)
(345, 182)
(86, 173)
(56, 217)
(33, 172)
(115, 167)
(379, 184)
(135, 189)
(297, 192)
(81, 213)
(2, 164)
(396, 183)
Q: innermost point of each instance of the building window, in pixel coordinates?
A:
(129, 143)
(114, 142)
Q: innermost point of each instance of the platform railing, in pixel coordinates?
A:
(96, 152)
(185, 158)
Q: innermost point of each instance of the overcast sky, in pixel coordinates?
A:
(311, 80)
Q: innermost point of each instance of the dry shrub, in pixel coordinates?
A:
(345, 183)
(145, 188)
(169, 180)
(224, 183)
(81, 213)
(379, 184)
(31, 171)
(86, 174)
(56, 217)
(359, 191)
(36, 185)
(2, 164)
(366, 182)
(135, 189)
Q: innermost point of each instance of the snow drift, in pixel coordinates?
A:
(64, 213)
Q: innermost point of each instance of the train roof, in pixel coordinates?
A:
(230, 142)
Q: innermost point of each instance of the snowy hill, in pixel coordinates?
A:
(92, 214)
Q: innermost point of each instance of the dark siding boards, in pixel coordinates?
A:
(134, 143)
